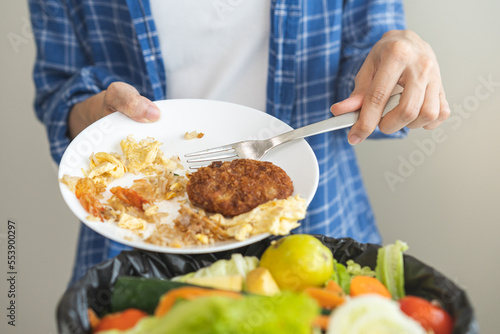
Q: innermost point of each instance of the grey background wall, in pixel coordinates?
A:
(438, 191)
(443, 193)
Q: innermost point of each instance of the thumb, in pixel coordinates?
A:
(352, 103)
(362, 84)
(126, 99)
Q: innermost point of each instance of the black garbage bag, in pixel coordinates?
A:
(94, 290)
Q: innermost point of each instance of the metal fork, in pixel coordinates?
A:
(256, 149)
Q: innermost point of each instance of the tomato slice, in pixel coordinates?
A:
(430, 316)
(120, 320)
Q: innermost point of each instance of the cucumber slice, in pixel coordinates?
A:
(390, 268)
(140, 293)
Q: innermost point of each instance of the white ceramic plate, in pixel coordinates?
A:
(221, 122)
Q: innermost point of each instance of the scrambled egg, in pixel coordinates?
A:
(130, 222)
(106, 164)
(139, 155)
(277, 217)
(143, 156)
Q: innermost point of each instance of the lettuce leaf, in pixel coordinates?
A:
(284, 313)
(237, 265)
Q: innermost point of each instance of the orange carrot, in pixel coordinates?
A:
(325, 298)
(361, 285)
(93, 318)
(188, 292)
(334, 287)
(321, 321)
(120, 320)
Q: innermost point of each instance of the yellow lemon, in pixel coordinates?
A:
(298, 261)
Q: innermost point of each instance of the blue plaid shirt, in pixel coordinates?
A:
(316, 49)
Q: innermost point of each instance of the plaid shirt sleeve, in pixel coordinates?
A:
(63, 75)
(364, 24)
(79, 56)
(82, 47)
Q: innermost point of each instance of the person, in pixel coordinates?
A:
(298, 60)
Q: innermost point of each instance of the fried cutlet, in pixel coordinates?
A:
(238, 186)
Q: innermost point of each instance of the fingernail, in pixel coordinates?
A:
(153, 114)
(353, 139)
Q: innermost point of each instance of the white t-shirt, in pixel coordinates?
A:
(215, 49)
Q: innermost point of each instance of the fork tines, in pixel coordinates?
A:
(208, 155)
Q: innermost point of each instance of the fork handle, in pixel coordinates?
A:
(331, 124)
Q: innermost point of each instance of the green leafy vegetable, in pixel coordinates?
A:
(284, 313)
(237, 265)
(343, 274)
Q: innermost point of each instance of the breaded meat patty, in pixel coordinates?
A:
(235, 187)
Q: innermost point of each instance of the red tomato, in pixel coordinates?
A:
(430, 316)
(120, 320)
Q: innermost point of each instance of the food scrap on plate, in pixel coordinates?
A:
(193, 135)
(164, 204)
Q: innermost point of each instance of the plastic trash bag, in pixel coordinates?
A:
(94, 290)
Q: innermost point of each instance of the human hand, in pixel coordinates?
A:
(119, 96)
(402, 58)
